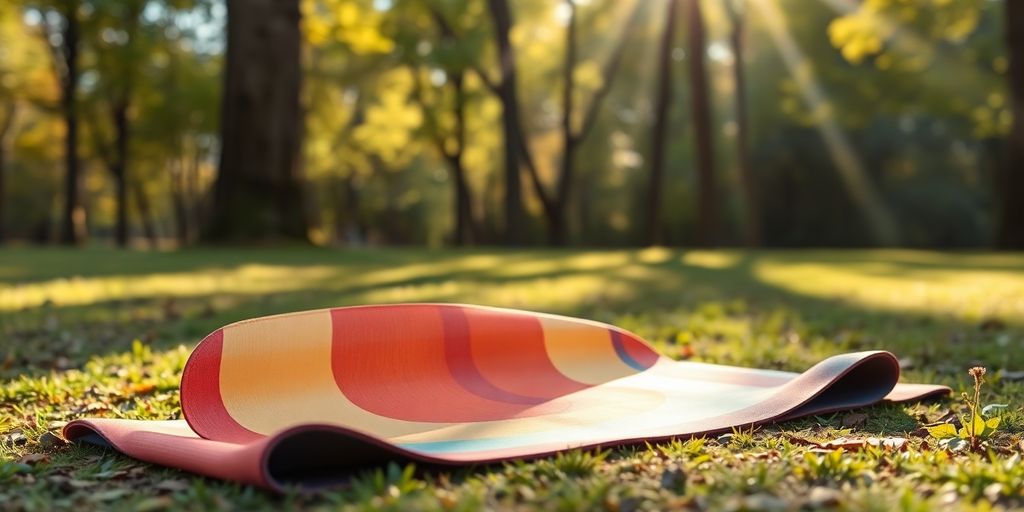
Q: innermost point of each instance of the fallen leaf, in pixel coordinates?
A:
(172, 486)
(898, 444)
(142, 388)
(154, 503)
(1008, 375)
(835, 444)
(81, 484)
(844, 443)
(686, 352)
(111, 495)
(34, 458)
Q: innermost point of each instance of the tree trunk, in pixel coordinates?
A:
(145, 213)
(120, 172)
(258, 193)
(73, 215)
(1011, 222)
(179, 197)
(514, 221)
(751, 202)
(707, 196)
(5, 133)
(659, 131)
(556, 221)
(465, 224)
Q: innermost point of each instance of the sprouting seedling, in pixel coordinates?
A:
(978, 373)
(979, 426)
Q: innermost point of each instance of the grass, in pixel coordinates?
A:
(106, 333)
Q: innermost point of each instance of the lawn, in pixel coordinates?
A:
(106, 333)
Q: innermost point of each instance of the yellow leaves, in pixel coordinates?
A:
(317, 30)
(856, 36)
(390, 122)
(354, 23)
(588, 76)
(942, 431)
(903, 28)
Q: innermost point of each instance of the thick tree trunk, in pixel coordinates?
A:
(1011, 221)
(73, 214)
(659, 131)
(501, 16)
(258, 193)
(748, 184)
(707, 191)
(5, 134)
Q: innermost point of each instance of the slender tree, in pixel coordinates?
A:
(258, 192)
(118, 64)
(60, 28)
(6, 125)
(700, 98)
(573, 133)
(1011, 221)
(451, 143)
(501, 17)
(659, 129)
(748, 185)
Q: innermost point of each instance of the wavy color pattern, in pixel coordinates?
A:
(304, 398)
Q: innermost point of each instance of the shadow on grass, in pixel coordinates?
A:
(664, 291)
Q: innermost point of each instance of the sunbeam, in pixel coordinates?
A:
(851, 169)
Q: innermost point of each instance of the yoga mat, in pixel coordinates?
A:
(305, 399)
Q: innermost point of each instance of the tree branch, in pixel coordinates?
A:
(610, 71)
(433, 128)
(448, 31)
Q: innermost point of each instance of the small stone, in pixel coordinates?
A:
(15, 438)
(50, 441)
(823, 497)
(854, 420)
(992, 491)
(763, 501)
(674, 479)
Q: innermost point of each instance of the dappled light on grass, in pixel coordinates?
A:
(711, 259)
(918, 284)
(77, 356)
(968, 286)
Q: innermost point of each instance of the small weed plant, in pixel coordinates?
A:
(976, 426)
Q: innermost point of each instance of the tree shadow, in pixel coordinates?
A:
(662, 286)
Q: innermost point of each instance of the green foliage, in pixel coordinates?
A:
(917, 87)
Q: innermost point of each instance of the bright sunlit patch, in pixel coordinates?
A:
(709, 259)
